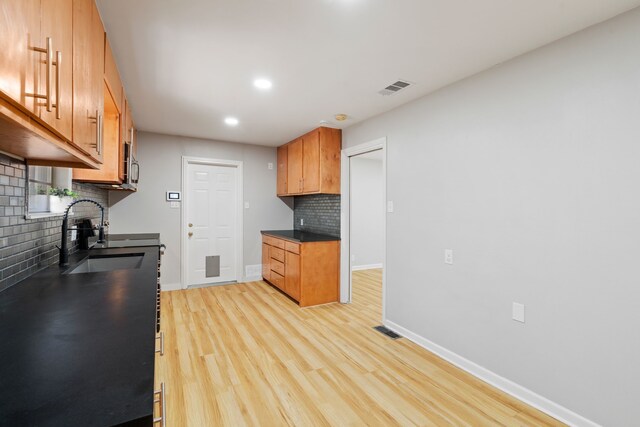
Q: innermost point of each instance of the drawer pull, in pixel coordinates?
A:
(160, 400)
(161, 338)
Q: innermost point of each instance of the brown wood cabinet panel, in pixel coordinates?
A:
(88, 72)
(292, 247)
(266, 261)
(277, 266)
(20, 65)
(277, 280)
(294, 167)
(56, 24)
(330, 152)
(320, 281)
(311, 162)
(108, 173)
(282, 170)
(272, 241)
(277, 254)
(292, 275)
(112, 77)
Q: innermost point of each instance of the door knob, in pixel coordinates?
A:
(190, 234)
(190, 225)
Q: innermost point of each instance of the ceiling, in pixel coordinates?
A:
(188, 64)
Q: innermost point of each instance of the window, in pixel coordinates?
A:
(40, 181)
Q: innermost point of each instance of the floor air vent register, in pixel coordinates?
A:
(386, 331)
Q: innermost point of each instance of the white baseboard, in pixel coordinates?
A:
(365, 267)
(524, 394)
(251, 279)
(170, 286)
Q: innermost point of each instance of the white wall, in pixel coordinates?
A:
(160, 159)
(367, 212)
(530, 172)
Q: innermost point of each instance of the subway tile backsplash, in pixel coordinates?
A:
(27, 246)
(321, 213)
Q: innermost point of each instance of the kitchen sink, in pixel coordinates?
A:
(96, 263)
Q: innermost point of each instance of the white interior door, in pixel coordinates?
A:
(211, 224)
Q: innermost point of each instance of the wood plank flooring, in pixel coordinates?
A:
(247, 355)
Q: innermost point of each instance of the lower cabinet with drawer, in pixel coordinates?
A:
(308, 272)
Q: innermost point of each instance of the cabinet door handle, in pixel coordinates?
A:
(161, 338)
(48, 51)
(163, 415)
(57, 64)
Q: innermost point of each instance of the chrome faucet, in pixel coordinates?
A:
(64, 251)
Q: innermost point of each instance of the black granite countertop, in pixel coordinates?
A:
(78, 349)
(300, 236)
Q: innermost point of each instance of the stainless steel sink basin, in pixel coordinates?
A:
(94, 264)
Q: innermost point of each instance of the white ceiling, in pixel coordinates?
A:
(187, 64)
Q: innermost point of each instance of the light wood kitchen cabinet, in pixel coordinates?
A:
(282, 170)
(312, 164)
(56, 27)
(109, 171)
(20, 65)
(88, 77)
(266, 258)
(36, 83)
(112, 169)
(309, 272)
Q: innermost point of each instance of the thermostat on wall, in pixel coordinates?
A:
(174, 196)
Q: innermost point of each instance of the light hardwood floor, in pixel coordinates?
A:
(247, 355)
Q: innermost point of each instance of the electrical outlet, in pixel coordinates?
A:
(270, 166)
(246, 205)
(353, 258)
(73, 235)
(389, 206)
(175, 205)
(301, 221)
(517, 312)
(448, 256)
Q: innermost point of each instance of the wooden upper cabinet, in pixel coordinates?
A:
(88, 72)
(294, 167)
(112, 76)
(56, 31)
(20, 64)
(312, 163)
(36, 71)
(282, 170)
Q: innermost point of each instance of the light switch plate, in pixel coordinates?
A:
(389, 206)
(518, 312)
(270, 166)
(448, 256)
(175, 205)
(246, 205)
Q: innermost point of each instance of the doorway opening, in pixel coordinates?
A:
(364, 225)
(211, 223)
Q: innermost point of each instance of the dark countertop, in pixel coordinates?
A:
(78, 349)
(300, 236)
(129, 240)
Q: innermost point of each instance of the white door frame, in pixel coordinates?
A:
(345, 217)
(186, 160)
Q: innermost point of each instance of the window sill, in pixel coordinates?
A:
(39, 215)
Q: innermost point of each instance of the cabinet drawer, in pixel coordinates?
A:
(277, 266)
(277, 254)
(277, 280)
(292, 247)
(272, 241)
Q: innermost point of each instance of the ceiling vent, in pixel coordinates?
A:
(394, 88)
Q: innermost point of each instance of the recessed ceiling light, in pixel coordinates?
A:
(231, 121)
(262, 84)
